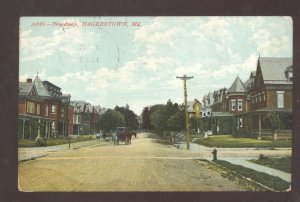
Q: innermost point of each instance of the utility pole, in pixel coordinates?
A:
(187, 135)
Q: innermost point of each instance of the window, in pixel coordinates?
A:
(290, 76)
(30, 107)
(208, 113)
(62, 113)
(38, 109)
(280, 99)
(241, 123)
(46, 110)
(232, 105)
(240, 104)
(53, 109)
(264, 96)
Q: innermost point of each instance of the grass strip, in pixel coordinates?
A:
(227, 141)
(52, 142)
(283, 164)
(273, 182)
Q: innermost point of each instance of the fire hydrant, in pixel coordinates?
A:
(214, 154)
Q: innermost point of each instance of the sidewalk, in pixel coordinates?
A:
(27, 153)
(238, 160)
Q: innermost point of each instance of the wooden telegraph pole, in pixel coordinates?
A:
(187, 136)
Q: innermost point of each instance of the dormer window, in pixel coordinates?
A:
(290, 76)
(289, 73)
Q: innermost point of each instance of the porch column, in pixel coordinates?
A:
(39, 129)
(46, 129)
(250, 124)
(23, 128)
(30, 129)
(64, 128)
(259, 126)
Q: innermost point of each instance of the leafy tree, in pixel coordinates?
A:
(177, 121)
(273, 121)
(146, 118)
(111, 119)
(157, 119)
(160, 114)
(131, 121)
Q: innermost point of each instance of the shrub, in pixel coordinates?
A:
(262, 157)
(41, 141)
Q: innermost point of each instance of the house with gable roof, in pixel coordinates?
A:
(42, 110)
(35, 105)
(271, 91)
(85, 117)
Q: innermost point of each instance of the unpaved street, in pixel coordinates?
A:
(145, 165)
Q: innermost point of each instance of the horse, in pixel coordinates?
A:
(129, 136)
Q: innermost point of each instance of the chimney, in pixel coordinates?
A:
(29, 81)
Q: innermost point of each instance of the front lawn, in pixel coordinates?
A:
(52, 142)
(283, 164)
(270, 181)
(227, 141)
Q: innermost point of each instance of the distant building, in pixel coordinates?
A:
(85, 117)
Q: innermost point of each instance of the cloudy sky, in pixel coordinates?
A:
(111, 65)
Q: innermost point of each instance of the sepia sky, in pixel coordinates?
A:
(106, 61)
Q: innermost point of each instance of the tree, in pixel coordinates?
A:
(157, 119)
(273, 121)
(131, 121)
(177, 121)
(160, 114)
(111, 119)
(146, 118)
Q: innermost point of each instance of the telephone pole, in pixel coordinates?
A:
(187, 135)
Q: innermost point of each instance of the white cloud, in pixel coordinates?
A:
(214, 50)
(64, 40)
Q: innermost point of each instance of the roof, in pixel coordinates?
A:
(253, 74)
(219, 114)
(273, 69)
(78, 105)
(248, 83)
(24, 88)
(40, 88)
(237, 86)
(189, 106)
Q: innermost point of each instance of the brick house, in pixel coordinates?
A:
(85, 117)
(271, 92)
(242, 108)
(40, 109)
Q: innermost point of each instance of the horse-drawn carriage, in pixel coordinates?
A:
(123, 135)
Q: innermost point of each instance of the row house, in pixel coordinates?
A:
(241, 109)
(208, 101)
(270, 91)
(86, 117)
(41, 110)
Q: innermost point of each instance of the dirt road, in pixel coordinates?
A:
(145, 165)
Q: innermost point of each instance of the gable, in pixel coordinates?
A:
(33, 91)
(259, 80)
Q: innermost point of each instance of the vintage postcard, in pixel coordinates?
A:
(155, 104)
